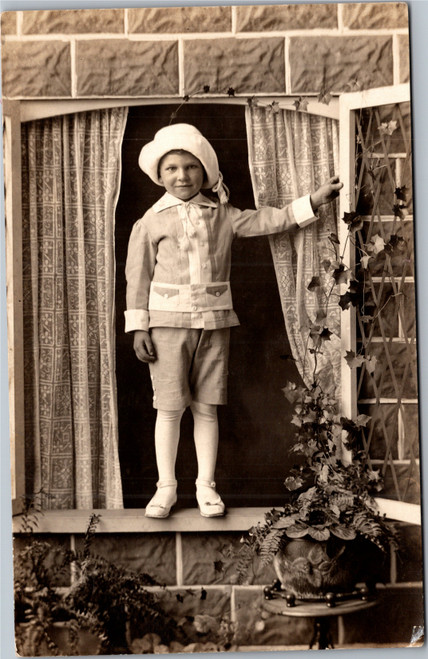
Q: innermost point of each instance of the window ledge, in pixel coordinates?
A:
(133, 521)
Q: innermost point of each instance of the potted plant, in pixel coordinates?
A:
(105, 607)
(329, 535)
(330, 520)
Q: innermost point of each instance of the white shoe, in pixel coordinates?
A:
(161, 503)
(209, 501)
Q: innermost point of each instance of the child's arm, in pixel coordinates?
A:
(143, 346)
(326, 193)
(299, 214)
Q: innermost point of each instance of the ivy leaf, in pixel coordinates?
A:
(326, 264)
(401, 193)
(399, 210)
(231, 91)
(362, 420)
(341, 274)
(206, 89)
(310, 417)
(352, 296)
(186, 98)
(395, 243)
(292, 483)
(301, 104)
(365, 261)
(296, 421)
(292, 392)
(325, 334)
(314, 284)
(203, 594)
(275, 107)
(334, 239)
(354, 221)
(179, 598)
(252, 101)
(387, 128)
(324, 97)
(353, 360)
(371, 364)
(378, 244)
(366, 319)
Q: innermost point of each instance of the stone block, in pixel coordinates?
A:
(8, 22)
(404, 55)
(126, 68)
(180, 19)
(180, 602)
(150, 553)
(258, 626)
(212, 559)
(410, 555)
(73, 21)
(340, 64)
(286, 17)
(36, 68)
(391, 621)
(246, 65)
(373, 15)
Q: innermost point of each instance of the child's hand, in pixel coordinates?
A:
(326, 193)
(143, 346)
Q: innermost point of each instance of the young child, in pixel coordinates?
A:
(179, 303)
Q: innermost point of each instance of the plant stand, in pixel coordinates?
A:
(321, 611)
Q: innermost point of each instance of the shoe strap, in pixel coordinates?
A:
(204, 483)
(169, 483)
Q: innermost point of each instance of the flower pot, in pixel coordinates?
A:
(308, 568)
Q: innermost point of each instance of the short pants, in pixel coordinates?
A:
(191, 365)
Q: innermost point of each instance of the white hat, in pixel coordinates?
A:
(187, 138)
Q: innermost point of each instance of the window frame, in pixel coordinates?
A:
(131, 520)
(350, 103)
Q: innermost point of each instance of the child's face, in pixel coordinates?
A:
(181, 174)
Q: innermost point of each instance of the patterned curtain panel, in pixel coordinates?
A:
(291, 153)
(71, 176)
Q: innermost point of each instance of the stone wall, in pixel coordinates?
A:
(294, 49)
(199, 579)
(168, 52)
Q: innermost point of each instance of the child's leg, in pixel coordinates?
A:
(206, 438)
(206, 444)
(167, 435)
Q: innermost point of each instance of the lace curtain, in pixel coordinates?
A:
(291, 153)
(71, 177)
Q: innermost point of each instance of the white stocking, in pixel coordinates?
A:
(206, 438)
(167, 435)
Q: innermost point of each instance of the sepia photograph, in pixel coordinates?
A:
(214, 416)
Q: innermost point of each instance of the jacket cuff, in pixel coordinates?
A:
(303, 211)
(136, 319)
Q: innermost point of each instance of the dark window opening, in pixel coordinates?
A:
(255, 428)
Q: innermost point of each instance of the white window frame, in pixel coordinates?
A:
(348, 105)
(131, 520)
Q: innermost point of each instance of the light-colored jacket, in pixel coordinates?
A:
(179, 253)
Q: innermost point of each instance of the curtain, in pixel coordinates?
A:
(71, 168)
(290, 154)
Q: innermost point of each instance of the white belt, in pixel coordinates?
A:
(190, 297)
